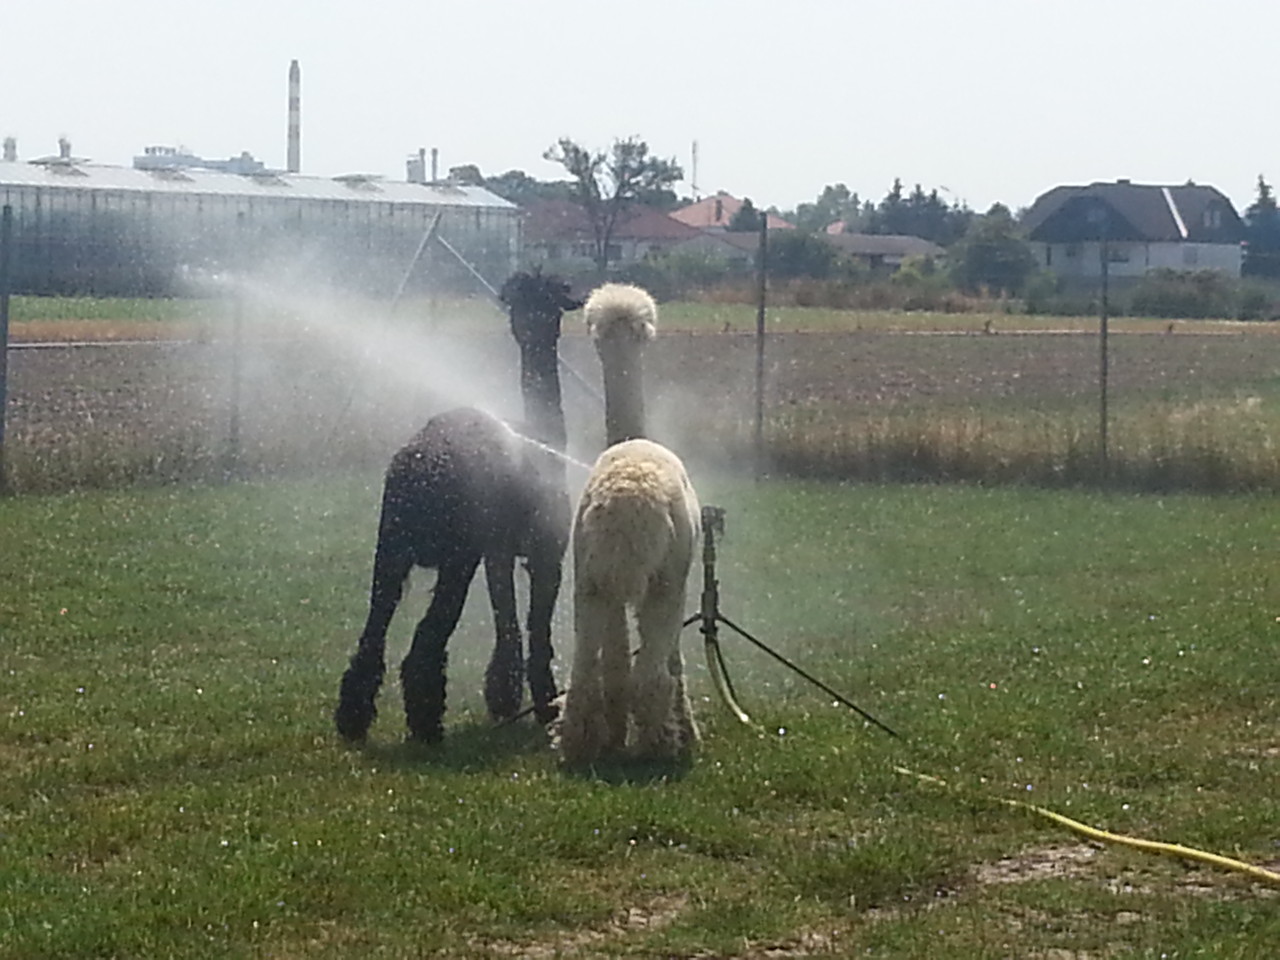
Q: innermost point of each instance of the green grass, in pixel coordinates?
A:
(699, 317)
(25, 309)
(742, 318)
(172, 786)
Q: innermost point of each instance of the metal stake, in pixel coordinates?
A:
(709, 616)
(6, 262)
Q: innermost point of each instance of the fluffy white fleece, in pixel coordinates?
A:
(634, 538)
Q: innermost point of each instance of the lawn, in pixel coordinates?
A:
(63, 318)
(173, 786)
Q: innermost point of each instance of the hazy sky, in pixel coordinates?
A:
(995, 100)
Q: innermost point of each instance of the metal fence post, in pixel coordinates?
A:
(761, 292)
(6, 276)
(237, 348)
(1103, 364)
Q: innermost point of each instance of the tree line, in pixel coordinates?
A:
(985, 251)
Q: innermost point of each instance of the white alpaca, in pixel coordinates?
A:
(634, 538)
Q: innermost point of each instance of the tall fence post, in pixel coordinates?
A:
(237, 348)
(6, 278)
(1104, 251)
(762, 264)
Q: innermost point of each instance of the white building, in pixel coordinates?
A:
(1144, 227)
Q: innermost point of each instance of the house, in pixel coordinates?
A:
(715, 213)
(1144, 227)
(558, 231)
(883, 251)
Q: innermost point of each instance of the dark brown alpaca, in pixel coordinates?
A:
(468, 489)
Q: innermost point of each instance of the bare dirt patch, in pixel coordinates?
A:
(1040, 863)
(652, 915)
(104, 331)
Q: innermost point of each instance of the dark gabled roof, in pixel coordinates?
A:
(1134, 211)
(883, 245)
(563, 220)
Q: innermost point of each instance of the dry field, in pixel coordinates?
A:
(346, 394)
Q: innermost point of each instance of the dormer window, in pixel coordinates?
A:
(1212, 218)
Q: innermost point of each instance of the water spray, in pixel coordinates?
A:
(546, 448)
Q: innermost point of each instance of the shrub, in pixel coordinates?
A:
(1258, 302)
(1185, 293)
(795, 254)
(1041, 293)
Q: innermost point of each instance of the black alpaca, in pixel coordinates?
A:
(468, 489)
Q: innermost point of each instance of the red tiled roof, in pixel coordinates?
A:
(717, 211)
(560, 220)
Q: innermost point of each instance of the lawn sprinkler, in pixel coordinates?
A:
(709, 617)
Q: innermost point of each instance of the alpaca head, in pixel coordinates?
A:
(620, 312)
(536, 303)
(621, 319)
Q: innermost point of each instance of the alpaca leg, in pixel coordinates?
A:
(544, 586)
(664, 724)
(504, 677)
(615, 673)
(583, 731)
(686, 730)
(422, 674)
(356, 708)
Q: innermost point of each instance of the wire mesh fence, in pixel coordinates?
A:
(1187, 411)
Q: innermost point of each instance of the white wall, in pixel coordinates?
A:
(1136, 259)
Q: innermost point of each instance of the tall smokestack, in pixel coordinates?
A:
(295, 118)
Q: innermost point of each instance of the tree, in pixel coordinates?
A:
(523, 190)
(468, 175)
(746, 220)
(919, 214)
(992, 255)
(1262, 234)
(834, 204)
(795, 254)
(604, 184)
(892, 216)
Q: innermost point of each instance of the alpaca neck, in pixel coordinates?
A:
(540, 387)
(623, 368)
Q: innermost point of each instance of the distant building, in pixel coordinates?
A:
(716, 213)
(1145, 227)
(883, 251)
(559, 232)
(178, 158)
(84, 228)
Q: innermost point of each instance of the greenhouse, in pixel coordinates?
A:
(90, 229)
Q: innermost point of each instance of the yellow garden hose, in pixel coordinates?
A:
(710, 616)
(1106, 836)
(720, 678)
